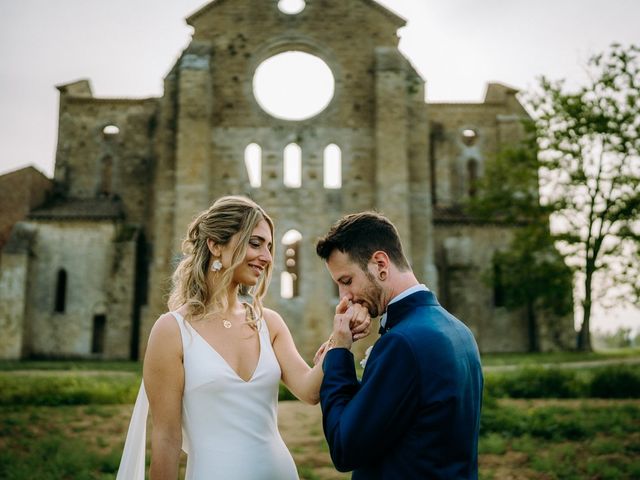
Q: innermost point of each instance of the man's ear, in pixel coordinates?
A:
(214, 248)
(382, 264)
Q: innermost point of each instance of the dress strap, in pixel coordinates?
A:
(185, 333)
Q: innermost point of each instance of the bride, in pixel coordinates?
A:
(213, 363)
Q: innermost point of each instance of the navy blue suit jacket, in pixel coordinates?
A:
(416, 413)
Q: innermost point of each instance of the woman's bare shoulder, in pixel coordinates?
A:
(271, 316)
(274, 321)
(165, 332)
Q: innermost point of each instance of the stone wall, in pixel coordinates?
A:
(14, 283)
(464, 254)
(98, 283)
(105, 149)
(490, 126)
(20, 191)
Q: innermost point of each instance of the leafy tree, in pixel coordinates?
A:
(589, 142)
(530, 273)
(534, 275)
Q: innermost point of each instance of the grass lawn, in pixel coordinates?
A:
(68, 420)
(568, 439)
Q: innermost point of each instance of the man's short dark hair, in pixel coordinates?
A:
(359, 235)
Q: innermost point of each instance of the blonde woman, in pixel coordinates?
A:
(214, 362)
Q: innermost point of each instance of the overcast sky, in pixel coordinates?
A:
(126, 47)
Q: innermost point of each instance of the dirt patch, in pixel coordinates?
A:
(301, 429)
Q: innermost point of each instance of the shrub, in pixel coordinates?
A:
(532, 382)
(621, 381)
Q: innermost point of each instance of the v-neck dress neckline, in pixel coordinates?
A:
(224, 360)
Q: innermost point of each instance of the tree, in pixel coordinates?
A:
(589, 142)
(530, 273)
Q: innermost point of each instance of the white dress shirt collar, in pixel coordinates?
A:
(405, 293)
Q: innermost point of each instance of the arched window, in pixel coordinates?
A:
(97, 338)
(292, 166)
(472, 176)
(291, 7)
(332, 166)
(61, 291)
(253, 163)
(106, 176)
(469, 137)
(290, 276)
(110, 131)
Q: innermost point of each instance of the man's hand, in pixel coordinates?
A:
(360, 323)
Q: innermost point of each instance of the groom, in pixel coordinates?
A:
(416, 413)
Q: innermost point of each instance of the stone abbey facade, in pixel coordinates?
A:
(87, 273)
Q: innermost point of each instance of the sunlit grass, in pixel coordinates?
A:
(70, 365)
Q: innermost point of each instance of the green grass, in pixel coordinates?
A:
(562, 441)
(522, 438)
(60, 445)
(68, 389)
(63, 424)
(70, 365)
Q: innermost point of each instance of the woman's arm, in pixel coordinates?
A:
(303, 380)
(163, 375)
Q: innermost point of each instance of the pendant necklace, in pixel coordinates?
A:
(226, 323)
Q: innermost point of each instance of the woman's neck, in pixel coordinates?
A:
(232, 296)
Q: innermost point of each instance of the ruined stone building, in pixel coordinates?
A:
(87, 272)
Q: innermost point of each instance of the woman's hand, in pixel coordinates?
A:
(360, 324)
(351, 322)
(319, 356)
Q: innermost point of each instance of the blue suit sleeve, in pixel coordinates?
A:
(364, 420)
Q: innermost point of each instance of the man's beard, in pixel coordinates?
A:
(372, 296)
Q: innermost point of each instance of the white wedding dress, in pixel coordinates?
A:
(229, 426)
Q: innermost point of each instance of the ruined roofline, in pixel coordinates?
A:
(78, 88)
(495, 93)
(79, 209)
(81, 91)
(26, 167)
(113, 100)
(397, 19)
(394, 17)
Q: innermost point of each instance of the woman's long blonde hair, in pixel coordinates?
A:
(228, 216)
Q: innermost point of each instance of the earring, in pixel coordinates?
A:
(216, 266)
